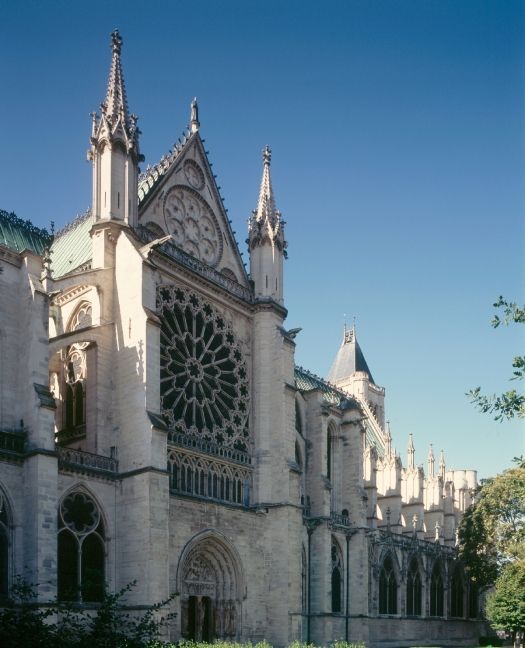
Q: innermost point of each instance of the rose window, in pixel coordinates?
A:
(203, 376)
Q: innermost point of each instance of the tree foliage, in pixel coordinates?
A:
(492, 532)
(511, 403)
(506, 604)
(23, 624)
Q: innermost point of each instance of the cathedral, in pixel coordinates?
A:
(155, 428)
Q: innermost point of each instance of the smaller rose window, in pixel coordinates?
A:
(79, 513)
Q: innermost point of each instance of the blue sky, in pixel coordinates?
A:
(398, 163)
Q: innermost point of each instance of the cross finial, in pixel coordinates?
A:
(267, 155)
(116, 41)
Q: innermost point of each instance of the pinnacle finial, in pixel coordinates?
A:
(194, 116)
(116, 41)
(388, 440)
(442, 466)
(411, 451)
(431, 461)
(267, 155)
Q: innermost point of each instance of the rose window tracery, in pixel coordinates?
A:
(192, 224)
(79, 513)
(203, 376)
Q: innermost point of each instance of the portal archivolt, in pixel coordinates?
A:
(210, 581)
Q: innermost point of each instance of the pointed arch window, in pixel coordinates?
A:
(387, 588)
(81, 549)
(436, 591)
(473, 596)
(74, 406)
(304, 581)
(337, 578)
(413, 589)
(298, 420)
(456, 594)
(329, 452)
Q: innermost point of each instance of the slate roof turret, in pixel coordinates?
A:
(349, 359)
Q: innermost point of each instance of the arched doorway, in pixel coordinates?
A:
(210, 585)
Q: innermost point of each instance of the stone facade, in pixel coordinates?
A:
(154, 426)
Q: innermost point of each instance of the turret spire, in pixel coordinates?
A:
(266, 240)
(266, 222)
(411, 451)
(115, 121)
(194, 116)
(114, 149)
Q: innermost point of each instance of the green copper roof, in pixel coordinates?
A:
(72, 246)
(19, 235)
(307, 381)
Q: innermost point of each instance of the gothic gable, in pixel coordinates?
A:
(179, 197)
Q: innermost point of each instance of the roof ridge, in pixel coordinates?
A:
(160, 168)
(79, 218)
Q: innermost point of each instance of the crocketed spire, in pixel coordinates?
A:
(116, 103)
(266, 223)
(115, 123)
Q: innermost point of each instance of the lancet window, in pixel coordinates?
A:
(81, 549)
(4, 549)
(413, 589)
(329, 452)
(74, 406)
(473, 595)
(337, 578)
(436, 591)
(387, 588)
(456, 594)
(304, 581)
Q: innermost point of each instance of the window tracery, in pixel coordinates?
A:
(81, 549)
(82, 317)
(194, 475)
(204, 378)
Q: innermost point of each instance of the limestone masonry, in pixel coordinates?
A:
(154, 426)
